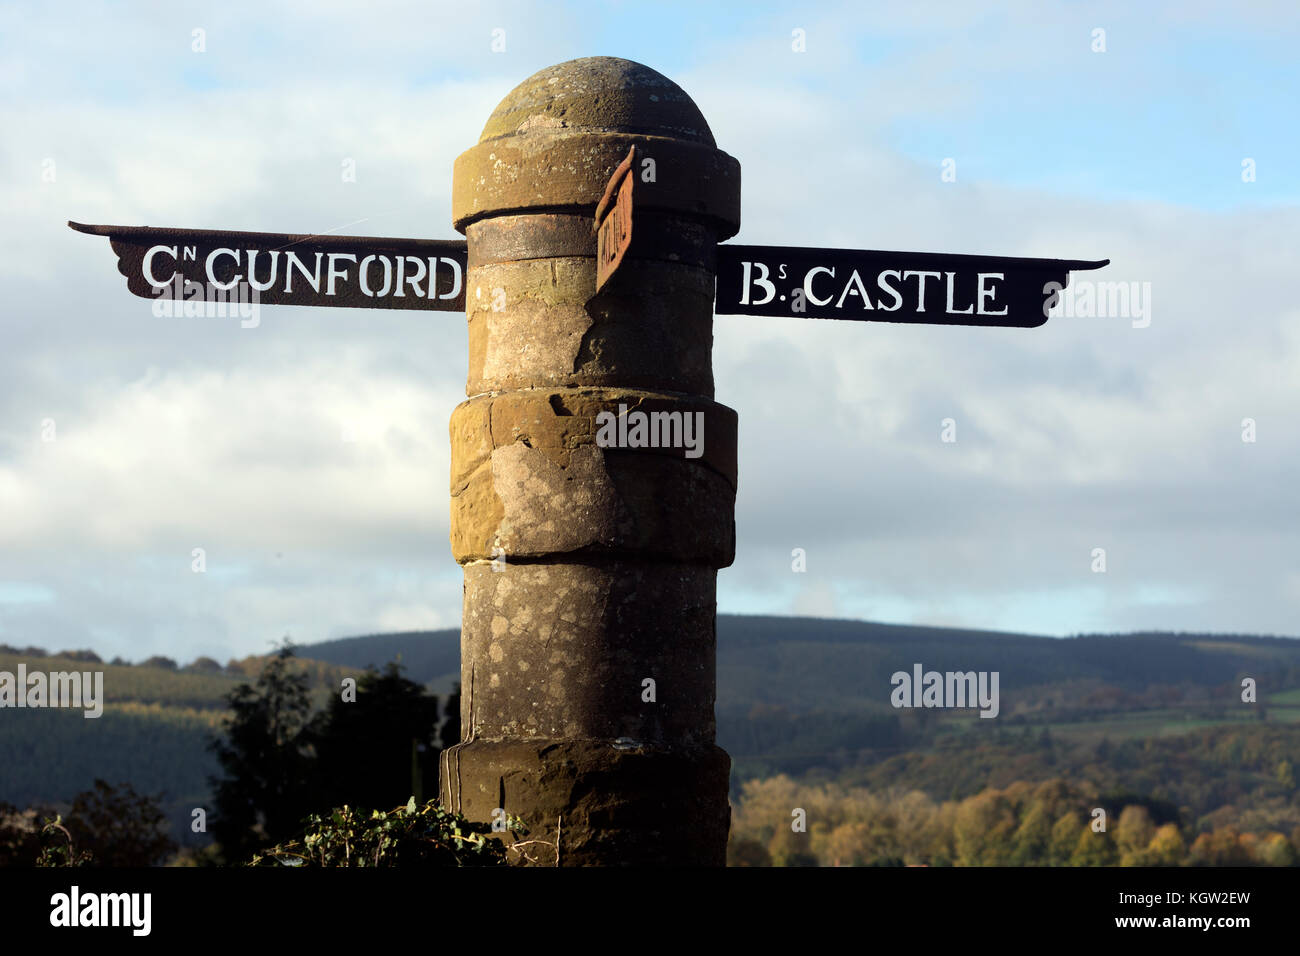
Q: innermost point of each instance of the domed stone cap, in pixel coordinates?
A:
(553, 143)
(599, 94)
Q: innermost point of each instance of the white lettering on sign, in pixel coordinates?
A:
(334, 273)
(364, 272)
(212, 257)
(252, 270)
(148, 265)
(920, 286)
(762, 282)
(987, 293)
(807, 283)
(328, 274)
(965, 293)
(290, 260)
(898, 296)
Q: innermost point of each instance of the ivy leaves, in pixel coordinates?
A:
(410, 835)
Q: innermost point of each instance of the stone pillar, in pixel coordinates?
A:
(606, 557)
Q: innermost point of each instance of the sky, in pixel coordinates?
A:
(1167, 143)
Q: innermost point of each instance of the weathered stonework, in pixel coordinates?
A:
(542, 329)
(560, 650)
(605, 807)
(588, 640)
(529, 478)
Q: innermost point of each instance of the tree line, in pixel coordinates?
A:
(285, 765)
(780, 822)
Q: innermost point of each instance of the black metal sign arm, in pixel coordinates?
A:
(291, 269)
(879, 286)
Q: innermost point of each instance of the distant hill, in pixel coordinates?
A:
(816, 664)
(427, 657)
(794, 695)
(797, 693)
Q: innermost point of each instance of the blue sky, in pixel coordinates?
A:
(1163, 113)
(1086, 433)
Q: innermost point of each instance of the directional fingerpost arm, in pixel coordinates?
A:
(869, 285)
(286, 269)
(392, 273)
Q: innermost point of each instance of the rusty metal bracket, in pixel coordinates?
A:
(613, 223)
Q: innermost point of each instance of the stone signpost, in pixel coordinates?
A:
(593, 476)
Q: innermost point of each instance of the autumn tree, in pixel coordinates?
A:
(1133, 834)
(1167, 847)
(1094, 848)
(984, 830)
(1221, 847)
(1065, 835)
(744, 851)
(1032, 842)
(1273, 849)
